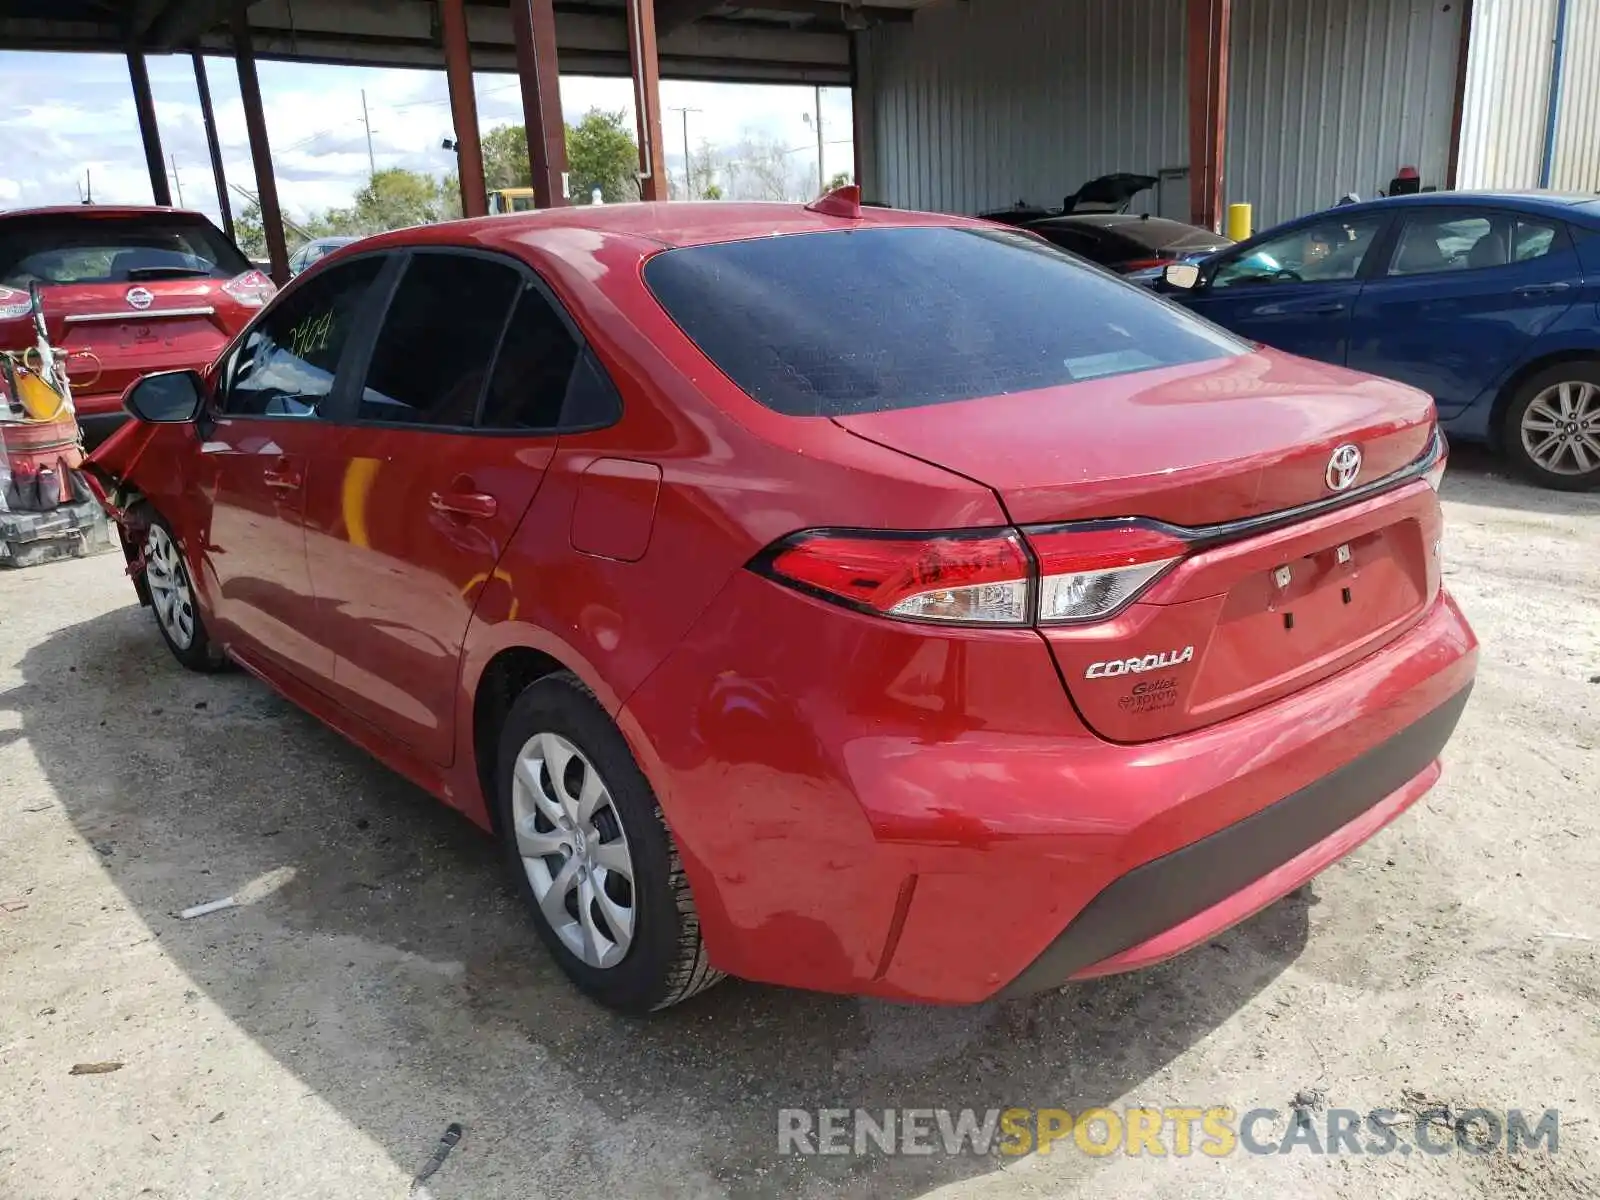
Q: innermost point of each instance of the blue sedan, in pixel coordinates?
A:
(1489, 302)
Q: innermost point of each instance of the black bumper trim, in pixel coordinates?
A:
(1167, 891)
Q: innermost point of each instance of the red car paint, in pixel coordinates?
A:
(111, 341)
(863, 804)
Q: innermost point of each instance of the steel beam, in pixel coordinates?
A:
(255, 122)
(1210, 26)
(646, 70)
(213, 144)
(533, 27)
(463, 107)
(149, 133)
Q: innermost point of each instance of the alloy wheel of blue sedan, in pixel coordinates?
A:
(1561, 428)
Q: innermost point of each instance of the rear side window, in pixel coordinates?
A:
(285, 368)
(835, 324)
(535, 363)
(431, 359)
(114, 250)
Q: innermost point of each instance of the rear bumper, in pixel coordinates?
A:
(1175, 901)
(920, 815)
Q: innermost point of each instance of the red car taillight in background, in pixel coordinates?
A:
(1049, 576)
(14, 304)
(252, 289)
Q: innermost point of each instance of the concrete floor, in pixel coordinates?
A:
(317, 1041)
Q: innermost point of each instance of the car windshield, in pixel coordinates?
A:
(95, 249)
(840, 323)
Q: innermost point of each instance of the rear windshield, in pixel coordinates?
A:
(834, 324)
(114, 250)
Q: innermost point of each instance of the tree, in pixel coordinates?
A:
(505, 158)
(759, 169)
(602, 154)
(392, 199)
(840, 178)
(249, 233)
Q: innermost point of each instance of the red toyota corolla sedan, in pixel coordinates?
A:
(843, 598)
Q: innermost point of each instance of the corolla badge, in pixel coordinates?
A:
(1343, 467)
(139, 297)
(1140, 664)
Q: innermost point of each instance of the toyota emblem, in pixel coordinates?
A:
(1343, 467)
(139, 297)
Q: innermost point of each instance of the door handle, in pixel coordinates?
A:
(464, 504)
(284, 478)
(1543, 289)
(1326, 310)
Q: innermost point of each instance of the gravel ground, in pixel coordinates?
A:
(380, 985)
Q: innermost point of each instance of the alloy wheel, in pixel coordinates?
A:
(573, 849)
(1561, 428)
(170, 593)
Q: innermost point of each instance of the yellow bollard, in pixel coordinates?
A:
(1238, 221)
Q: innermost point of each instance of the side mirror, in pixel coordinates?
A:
(1183, 276)
(166, 398)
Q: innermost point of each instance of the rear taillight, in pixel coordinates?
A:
(1082, 573)
(1434, 473)
(252, 289)
(1088, 573)
(976, 580)
(14, 304)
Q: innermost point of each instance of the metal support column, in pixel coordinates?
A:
(647, 98)
(144, 104)
(533, 24)
(463, 107)
(213, 144)
(1210, 28)
(255, 121)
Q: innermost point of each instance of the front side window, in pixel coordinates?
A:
(859, 321)
(432, 357)
(1325, 251)
(285, 368)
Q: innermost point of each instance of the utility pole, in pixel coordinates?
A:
(688, 168)
(372, 165)
(176, 182)
(822, 180)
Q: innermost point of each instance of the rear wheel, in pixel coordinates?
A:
(1552, 427)
(172, 600)
(590, 853)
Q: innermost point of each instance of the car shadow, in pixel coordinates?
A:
(1481, 478)
(384, 963)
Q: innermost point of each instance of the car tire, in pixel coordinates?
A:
(174, 603)
(1551, 428)
(590, 853)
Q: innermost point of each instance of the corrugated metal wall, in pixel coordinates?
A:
(1332, 97)
(1508, 91)
(982, 103)
(1577, 150)
(978, 104)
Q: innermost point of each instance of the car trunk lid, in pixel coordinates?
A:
(115, 332)
(1279, 584)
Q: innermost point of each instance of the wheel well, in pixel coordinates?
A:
(1508, 392)
(507, 676)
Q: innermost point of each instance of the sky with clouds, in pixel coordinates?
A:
(63, 115)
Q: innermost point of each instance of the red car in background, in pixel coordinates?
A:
(843, 598)
(126, 291)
